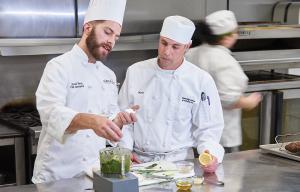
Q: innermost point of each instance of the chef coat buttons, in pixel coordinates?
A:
(147, 143)
(102, 87)
(88, 136)
(84, 159)
(89, 86)
(97, 67)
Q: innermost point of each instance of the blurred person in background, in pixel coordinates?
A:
(216, 35)
(179, 103)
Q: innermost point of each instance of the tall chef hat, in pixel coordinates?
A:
(112, 10)
(221, 22)
(178, 28)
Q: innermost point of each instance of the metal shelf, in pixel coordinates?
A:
(15, 47)
(268, 31)
(271, 59)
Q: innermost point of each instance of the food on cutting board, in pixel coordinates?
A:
(293, 147)
(205, 158)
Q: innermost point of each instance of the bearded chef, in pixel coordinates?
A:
(179, 103)
(77, 99)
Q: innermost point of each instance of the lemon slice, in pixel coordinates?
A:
(205, 159)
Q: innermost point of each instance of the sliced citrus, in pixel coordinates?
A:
(205, 158)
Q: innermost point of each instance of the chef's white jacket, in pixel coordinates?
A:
(71, 85)
(231, 82)
(178, 109)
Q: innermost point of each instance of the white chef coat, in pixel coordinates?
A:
(231, 82)
(172, 115)
(71, 85)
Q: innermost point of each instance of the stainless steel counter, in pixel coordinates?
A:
(242, 171)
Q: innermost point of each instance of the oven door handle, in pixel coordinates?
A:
(278, 112)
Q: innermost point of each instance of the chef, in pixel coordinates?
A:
(179, 103)
(77, 99)
(219, 33)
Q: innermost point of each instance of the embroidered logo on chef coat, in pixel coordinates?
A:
(109, 81)
(187, 100)
(140, 92)
(77, 85)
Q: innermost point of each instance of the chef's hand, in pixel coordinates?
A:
(101, 125)
(248, 102)
(126, 117)
(107, 129)
(135, 159)
(253, 100)
(212, 166)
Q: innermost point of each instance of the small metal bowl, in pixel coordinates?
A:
(185, 166)
(184, 184)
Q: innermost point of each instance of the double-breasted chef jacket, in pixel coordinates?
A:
(179, 110)
(71, 85)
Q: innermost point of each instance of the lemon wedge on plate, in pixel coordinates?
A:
(205, 158)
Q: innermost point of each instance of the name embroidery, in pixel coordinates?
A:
(77, 85)
(184, 99)
(109, 81)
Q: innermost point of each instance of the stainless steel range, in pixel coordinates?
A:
(27, 120)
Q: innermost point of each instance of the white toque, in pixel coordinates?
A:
(112, 10)
(178, 28)
(221, 22)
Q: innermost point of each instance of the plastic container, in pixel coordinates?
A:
(115, 162)
(185, 166)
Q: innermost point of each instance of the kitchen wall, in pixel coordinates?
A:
(252, 10)
(20, 75)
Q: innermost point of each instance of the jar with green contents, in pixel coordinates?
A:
(115, 162)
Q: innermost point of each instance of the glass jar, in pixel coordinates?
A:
(115, 162)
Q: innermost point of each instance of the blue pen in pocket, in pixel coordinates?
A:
(208, 100)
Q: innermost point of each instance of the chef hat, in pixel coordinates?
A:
(112, 10)
(178, 28)
(221, 22)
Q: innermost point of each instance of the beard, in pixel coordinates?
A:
(94, 47)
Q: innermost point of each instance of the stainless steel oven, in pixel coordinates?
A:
(279, 111)
(25, 119)
(288, 111)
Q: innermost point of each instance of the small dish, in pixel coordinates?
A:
(184, 184)
(198, 180)
(185, 166)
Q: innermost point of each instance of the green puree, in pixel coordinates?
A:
(111, 160)
(114, 166)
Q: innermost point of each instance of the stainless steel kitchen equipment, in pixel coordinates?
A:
(26, 120)
(34, 18)
(263, 50)
(288, 111)
(12, 157)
